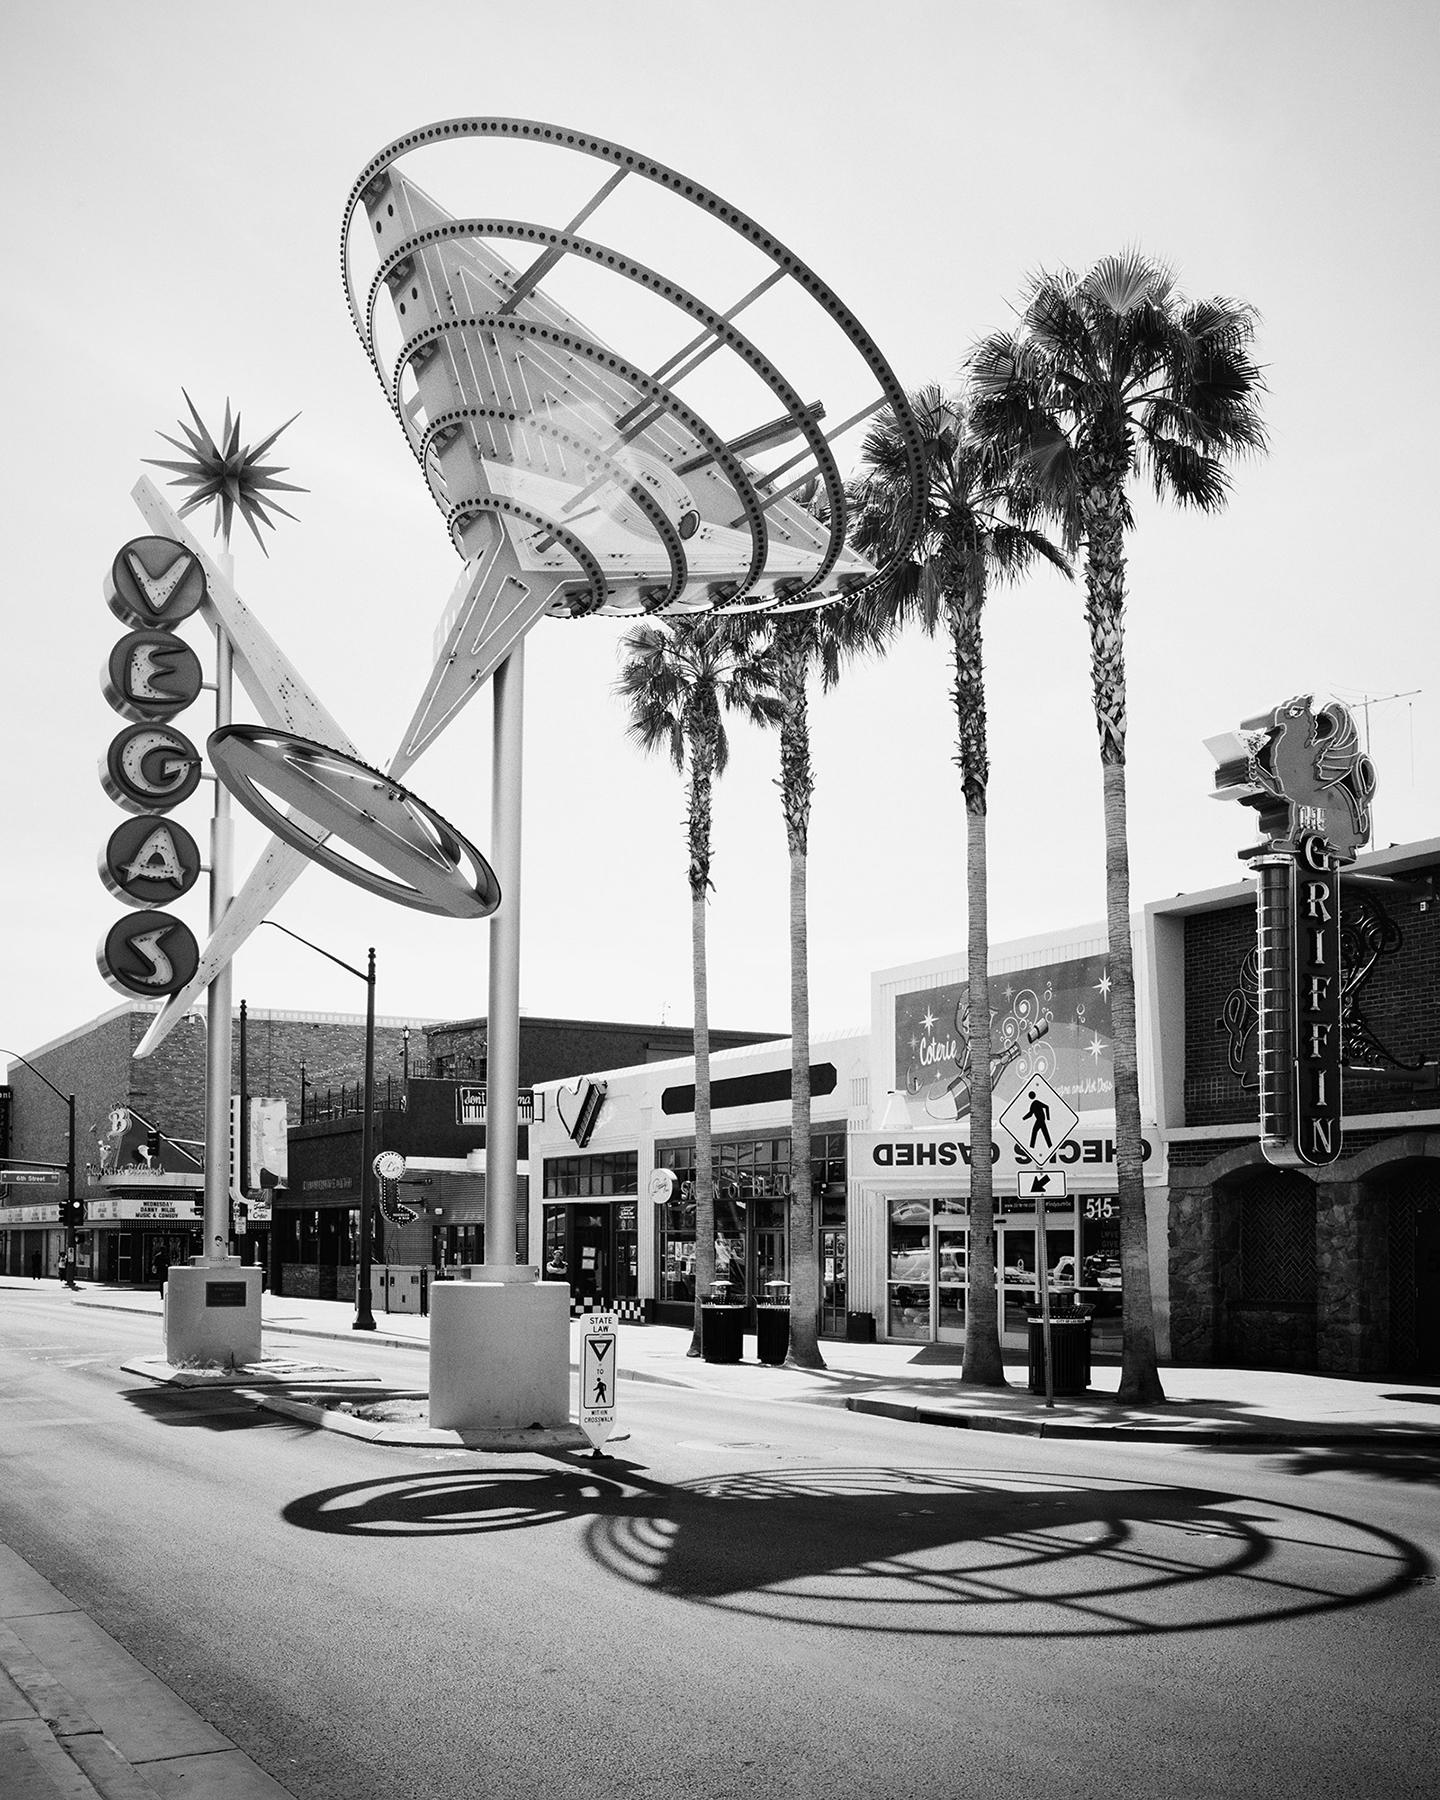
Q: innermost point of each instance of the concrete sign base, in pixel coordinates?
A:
(212, 1313)
(499, 1350)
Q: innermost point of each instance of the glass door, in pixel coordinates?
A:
(832, 1282)
(909, 1271)
(1015, 1257)
(952, 1239)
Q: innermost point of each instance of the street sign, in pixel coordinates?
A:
(30, 1175)
(597, 1378)
(1038, 1119)
(1032, 1184)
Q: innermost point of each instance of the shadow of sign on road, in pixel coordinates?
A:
(930, 1551)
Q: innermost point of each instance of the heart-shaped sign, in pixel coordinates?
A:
(579, 1108)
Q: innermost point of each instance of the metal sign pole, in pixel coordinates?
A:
(1042, 1268)
(502, 1070)
(218, 1003)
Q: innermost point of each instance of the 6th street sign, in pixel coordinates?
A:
(1038, 1119)
(597, 1378)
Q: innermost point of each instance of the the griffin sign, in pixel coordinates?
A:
(1302, 769)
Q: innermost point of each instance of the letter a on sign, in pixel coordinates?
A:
(597, 1378)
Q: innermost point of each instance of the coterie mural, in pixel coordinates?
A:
(1053, 1020)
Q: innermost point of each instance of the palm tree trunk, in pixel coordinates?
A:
(704, 1174)
(984, 1365)
(1139, 1374)
(797, 784)
(1104, 612)
(804, 1269)
(701, 766)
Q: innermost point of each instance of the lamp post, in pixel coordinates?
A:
(364, 1316)
(69, 1100)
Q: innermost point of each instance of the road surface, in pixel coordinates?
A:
(746, 1599)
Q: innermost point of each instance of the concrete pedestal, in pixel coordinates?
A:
(499, 1350)
(212, 1313)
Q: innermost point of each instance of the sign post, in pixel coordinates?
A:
(597, 1379)
(1040, 1121)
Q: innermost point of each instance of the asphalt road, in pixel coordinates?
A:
(762, 1599)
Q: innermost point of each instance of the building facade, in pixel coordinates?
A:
(1336, 1267)
(612, 1165)
(140, 1125)
(909, 1161)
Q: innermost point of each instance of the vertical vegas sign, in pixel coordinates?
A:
(1301, 767)
(151, 767)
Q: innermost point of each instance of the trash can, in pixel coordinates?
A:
(859, 1328)
(772, 1324)
(722, 1326)
(1070, 1347)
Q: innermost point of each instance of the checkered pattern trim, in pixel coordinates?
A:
(631, 1311)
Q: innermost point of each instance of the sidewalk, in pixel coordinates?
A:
(921, 1382)
(80, 1717)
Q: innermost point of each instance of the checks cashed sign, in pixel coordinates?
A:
(940, 1158)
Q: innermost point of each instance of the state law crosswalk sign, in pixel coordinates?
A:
(597, 1377)
(1038, 1119)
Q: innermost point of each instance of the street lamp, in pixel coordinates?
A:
(69, 1100)
(364, 1316)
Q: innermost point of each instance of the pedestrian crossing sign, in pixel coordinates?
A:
(1039, 1120)
(597, 1377)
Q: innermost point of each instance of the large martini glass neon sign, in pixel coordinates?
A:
(652, 469)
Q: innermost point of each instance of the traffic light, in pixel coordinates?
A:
(152, 1144)
(72, 1213)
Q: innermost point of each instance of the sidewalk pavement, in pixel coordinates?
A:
(81, 1718)
(921, 1382)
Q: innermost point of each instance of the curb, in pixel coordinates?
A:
(73, 1731)
(402, 1436)
(920, 1411)
(1020, 1424)
(255, 1389)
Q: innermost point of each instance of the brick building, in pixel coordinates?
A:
(1338, 1267)
(139, 1202)
(144, 1198)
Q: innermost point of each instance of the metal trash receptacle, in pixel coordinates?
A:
(772, 1324)
(859, 1328)
(722, 1326)
(1070, 1347)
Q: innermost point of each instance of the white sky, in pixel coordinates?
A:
(177, 175)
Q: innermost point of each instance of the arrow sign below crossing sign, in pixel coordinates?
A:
(597, 1378)
(1038, 1119)
(1034, 1184)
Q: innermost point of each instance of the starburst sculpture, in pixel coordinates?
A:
(229, 473)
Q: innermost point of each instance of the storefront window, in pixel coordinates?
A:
(584, 1177)
(909, 1268)
(752, 1188)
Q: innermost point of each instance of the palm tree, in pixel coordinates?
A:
(1107, 374)
(975, 525)
(678, 680)
(793, 645)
